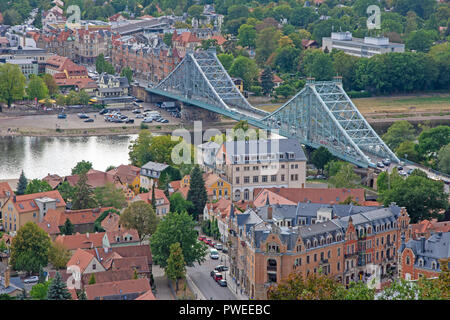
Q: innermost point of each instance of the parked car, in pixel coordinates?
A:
(207, 241)
(403, 173)
(218, 246)
(217, 276)
(89, 120)
(386, 162)
(201, 238)
(212, 244)
(129, 120)
(140, 116)
(148, 120)
(380, 164)
(104, 111)
(213, 273)
(214, 254)
(31, 279)
(399, 168)
(319, 176)
(82, 115)
(62, 116)
(136, 111)
(222, 282)
(221, 268)
(164, 121)
(410, 171)
(225, 250)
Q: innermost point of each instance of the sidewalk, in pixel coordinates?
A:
(234, 288)
(163, 291)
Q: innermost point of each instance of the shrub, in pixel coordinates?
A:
(144, 126)
(359, 94)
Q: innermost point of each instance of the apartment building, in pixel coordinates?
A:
(367, 47)
(254, 164)
(349, 248)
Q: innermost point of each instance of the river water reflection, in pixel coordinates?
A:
(38, 156)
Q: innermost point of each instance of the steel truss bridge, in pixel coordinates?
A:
(321, 114)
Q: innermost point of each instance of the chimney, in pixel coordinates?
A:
(269, 213)
(422, 244)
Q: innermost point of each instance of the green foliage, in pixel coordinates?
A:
(82, 167)
(92, 279)
(317, 64)
(408, 149)
(345, 177)
(179, 204)
(195, 11)
(444, 159)
(12, 83)
(266, 44)
(83, 194)
(39, 291)
(66, 191)
(431, 140)
(197, 192)
(50, 83)
(320, 157)
(167, 38)
(110, 196)
(22, 184)
(386, 181)
(30, 248)
(58, 289)
(68, 228)
(141, 216)
(246, 69)
(58, 255)
(226, 59)
(176, 266)
(285, 90)
(267, 81)
(247, 35)
(399, 132)
(101, 65)
(420, 40)
(36, 88)
(211, 228)
(98, 221)
(177, 227)
(36, 186)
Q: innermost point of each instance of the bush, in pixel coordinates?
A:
(257, 90)
(359, 94)
(144, 126)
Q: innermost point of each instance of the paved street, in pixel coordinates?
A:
(200, 275)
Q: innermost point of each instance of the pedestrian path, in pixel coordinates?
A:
(234, 288)
(163, 291)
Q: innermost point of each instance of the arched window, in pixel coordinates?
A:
(329, 239)
(299, 247)
(271, 265)
(246, 194)
(338, 237)
(322, 239)
(433, 265)
(420, 262)
(407, 261)
(308, 244)
(369, 230)
(315, 242)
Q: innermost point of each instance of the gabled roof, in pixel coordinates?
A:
(83, 241)
(147, 197)
(155, 166)
(121, 235)
(111, 222)
(81, 259)
(95, 178)
(27, 202)
(139, 264)
(146, 296)
(108, 289)
(53, 180)
(5, 190)
(108, 276)
(134, 251)
(126, 173)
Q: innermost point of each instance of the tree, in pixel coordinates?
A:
(317, 64)
(267, 80)
(92, 279)
(179, 204)
(197, 191)
(50, 82)
(83, 194)
(12, 17)
(82, 295)
(386, 180)
(82, 167)
(431, 140)
(22, 185)
(247, 36)
(12, 83)
(408, 149)
(68, 228)
(66, 191)
(177, 227)
(345, 177)
(128, 73)
(36, 186)
(246, 69)
(226, 59)
(423, 198)
(195, 11)
(36, 88)
(167, 38)
(444, 159)
(285, 90)
(176, 267)
(83, 97)
(153, 198)
(320, 157)
(266, 43)
(58, 255)
(30, 248)
(399, 132)
(39, 291)
(140, 215)
(345, 65)
(441, 55)
(286, 59)
(58, 289)
(420, 40)
(110, 196)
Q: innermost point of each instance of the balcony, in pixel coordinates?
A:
(323, 262)
(350, 255)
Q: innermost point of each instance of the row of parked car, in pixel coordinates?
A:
(211, 243)
(217, 275)
(117, 117)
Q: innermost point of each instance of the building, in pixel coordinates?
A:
(161, 202)
(87, 262)
(91, 42)
(5, 193)
(150, 173)
(18, 210)
(263, 196)
(138, 264)
(261, 163)
(423, 257)
(95, 178)
(82, 241)
(127, 175)
(120, 238)
(184, 42)
(113, 91)
(53, 180)
(220, 211)
(349, 248)
(426, 227)
(118, 290)
(217, 187)
(364, 48)
(27, 66)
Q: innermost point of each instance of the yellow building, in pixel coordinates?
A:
(216, 186)
(19, 210)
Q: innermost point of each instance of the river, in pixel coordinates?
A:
(38, 156)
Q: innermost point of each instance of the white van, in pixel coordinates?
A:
(214, 254)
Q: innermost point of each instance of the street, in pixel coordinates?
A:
(200, 275)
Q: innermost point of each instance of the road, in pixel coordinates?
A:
(200, 275)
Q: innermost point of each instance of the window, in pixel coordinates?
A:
(94, 266)
(329, 254)
(246, 179)
(273, 178)
(338, 266)
(420, 262)
(433, 265)
(264, 178)
(315, 257)
(237, 168)
(255, 178)
(321, 256)
(339, 252)
(237, 179)
(255, 168)
(307, 259)
(282, 177)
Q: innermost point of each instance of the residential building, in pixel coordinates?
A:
(264, 196)
(161, 202)
(53, 180)
(95, 178)
(5, 193)
(146, 296)
(111, 222)
(347, 248)
(425, 228)
(120, 238)
(261, 163)
(138, 264)
(217, 187)
(82, 241)
(423, 257)
(127, 175)
(87, 262)
(91, 42)
(150, 173)
(113, 90)
(107, 276)
(363, 48)
(18, 210)
(184, 42)
(220, 211)
(118, 290)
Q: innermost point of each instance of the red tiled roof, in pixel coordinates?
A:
(126, 173)
(26, 202)
(111, 222)
(139, 264)
(53, 180)
(314, 195)
(185, 37)
(147, 197)
(184, 191)
(146, 296)
(108, 276)
(95, 178)
(220, 39)
(81, 258)
(5, 190)
(223, 206)
(105, 289)
(134, 251)
(83, 241)
(121, 234)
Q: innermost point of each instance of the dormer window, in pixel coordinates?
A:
(420, 262)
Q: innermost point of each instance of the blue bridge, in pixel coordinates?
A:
(321, 114)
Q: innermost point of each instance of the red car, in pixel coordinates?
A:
(212, 244)
(201, 238)
(207, 241)
(217, 276)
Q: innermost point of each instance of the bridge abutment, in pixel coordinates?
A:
(190, 113)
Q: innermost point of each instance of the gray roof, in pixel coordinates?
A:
(155, 166)
(437, 246)
(273, 146)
